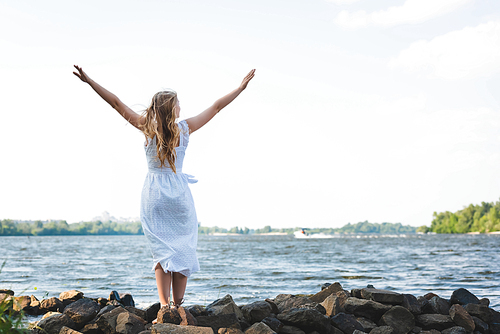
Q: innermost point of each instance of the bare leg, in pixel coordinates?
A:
(179, 282)
(163, 281)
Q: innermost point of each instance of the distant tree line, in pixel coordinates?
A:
(482, 218)
(61, 227)
(11, 227)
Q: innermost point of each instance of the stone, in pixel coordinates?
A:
(196, 310)
(382, 330)
(481, 311)
(67, 330)
(177, 329)
(331, 289)
(398, 318)
(287, 302)
(494, 327)
(367, 324)
(105, 309)
(331, 305)
(365, 308)
(129, 323)
(138, 312)
(22, 303)
(325, 285)
(167, 315)
(463, 297)
(382, 296)
(256, 311)
(307, 319)
(123, 298)
(439, 305)
(229, 320)
(356, 293)
(429, 295)
(53, 324)
(454, 330)
(187, 318)
(274, 307)
(151, 312)
(434, 321)
(424, 304)
(431, 331)
(460, 316)
(347, 323)
(49, 314)
(411, 303)
(484, 301)
(357, 332)
(67, 297)
(224, 305)
(273, 323)
(259, 328)
(7, 292)
(229, 331)
(35, 306)
(480, 325)
(291, 330)
(107, 321)
(91, 328)
(82, 311)
(52, 304)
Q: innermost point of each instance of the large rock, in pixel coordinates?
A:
(53, 324)
(51, 304)
(273, 323)
(137, 311)
(411, 303)
(424, 304)
(331, 289)
(224, 305)
(307, 319)
(129, 323)
(332, 305)
(367, 324)
(481, 311)
(187, 318)
(82, 311)
(125, 299)
(229, 331)
(398, 318)
(274, 307)
(383, 330)
(434, 321)
(168, 315)
(382, 296)
(259, 328)
(68, 297)
(176, 329)
(196, 310)
(455, 330)
(219, 321)
(347, 323)
(439, 305)
(463, 297)
(152, 311)
(288, 302)
(460, 316)
(365, 308)
(67, 330)
(291, 330)
(107, 321)
(91, 328)
(22, 303)
(256, 311)
(480, 325)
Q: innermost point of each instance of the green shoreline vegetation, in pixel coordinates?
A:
(483, 218)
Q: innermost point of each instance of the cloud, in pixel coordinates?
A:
(412, 11)
(470, 52)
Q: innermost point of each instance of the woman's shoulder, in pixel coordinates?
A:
(183, 125)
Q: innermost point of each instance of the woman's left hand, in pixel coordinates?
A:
(247, 79)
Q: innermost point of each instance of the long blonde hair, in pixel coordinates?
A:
(160, 122)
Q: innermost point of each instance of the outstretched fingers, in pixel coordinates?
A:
(80, 74)
(247, 79)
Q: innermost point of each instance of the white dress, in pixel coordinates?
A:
(168, 215)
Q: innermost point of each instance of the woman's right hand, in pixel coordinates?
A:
(81, 74)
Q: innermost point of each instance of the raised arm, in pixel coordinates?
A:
(198, 121)
(127, 113)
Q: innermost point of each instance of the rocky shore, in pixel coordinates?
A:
(332, 310)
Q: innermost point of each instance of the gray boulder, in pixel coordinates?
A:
(53, 324)
(347, 323)
(307, 319)
(399, 318)
(291, 330)
(365, 308)
(455, 330)
(176, 329)
(434, 321)
(273, 323)
(331, 289)
(196, 310)
(68, 297)
(439, 305)
(259, 328)
(382, 296)
(256, 311)
(52, 304)
(224, 305)
(107, 321)
(82, 311)
(480, 325)
(167, 315)
(411, 303)
(229, 320)
(460, 316)
(463, 297)
(288, 302)
(67, 330)
(129, 323)
(383, 330)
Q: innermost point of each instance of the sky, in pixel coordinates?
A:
(385, 111)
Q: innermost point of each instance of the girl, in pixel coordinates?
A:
(168, 215)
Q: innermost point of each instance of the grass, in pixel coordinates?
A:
(10, 319)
